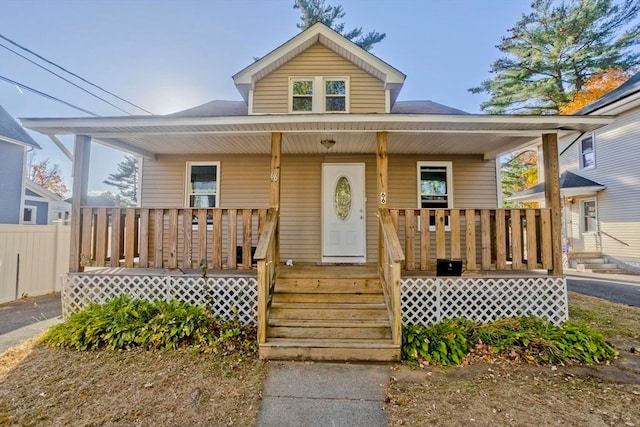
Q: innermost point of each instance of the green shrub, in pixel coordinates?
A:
(443, 343)
(535, 340)
(125, 323)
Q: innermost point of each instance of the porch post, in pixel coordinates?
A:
(276, 150)
(81, 155)
(274, 193)
(552, 196)
(382, 181)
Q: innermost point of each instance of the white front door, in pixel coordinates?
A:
(343, 213)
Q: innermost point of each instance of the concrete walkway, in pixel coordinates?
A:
(324, 395)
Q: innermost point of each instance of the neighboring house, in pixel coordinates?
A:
(43, 207)
(373, 200)
(601, 202)
(15, 143)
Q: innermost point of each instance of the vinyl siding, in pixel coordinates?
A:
(11, 174)
(245, 183)
(617, 152)
(271, 94)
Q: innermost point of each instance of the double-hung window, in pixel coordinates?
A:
(587, 152)
(435, 187)
(318, 94)
(203, 185)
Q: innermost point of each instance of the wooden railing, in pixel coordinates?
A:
(267, 256)
(390, 259)
(187, 238)
(485, 239)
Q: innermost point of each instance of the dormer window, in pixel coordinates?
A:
(332, 98)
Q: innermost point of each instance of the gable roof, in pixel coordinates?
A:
(571, 184)
(11, 131)
(423, 107)
(42, 192)
(319, 33)
(623, 94)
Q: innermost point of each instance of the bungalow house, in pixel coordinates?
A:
(15, 143)
(321, 208)
(600, 184)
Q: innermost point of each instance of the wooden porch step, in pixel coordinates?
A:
(320, 298)
(328, 285)
(329, 349)
(335, 311)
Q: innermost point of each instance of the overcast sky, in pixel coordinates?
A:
(171, 55)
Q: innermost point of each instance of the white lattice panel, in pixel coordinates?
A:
(430, 300)
(228, 297)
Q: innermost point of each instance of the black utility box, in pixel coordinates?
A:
(449, 267)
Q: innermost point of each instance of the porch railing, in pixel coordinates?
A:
(187, 238)
(390, 264)
(267, 256)
(485, 239)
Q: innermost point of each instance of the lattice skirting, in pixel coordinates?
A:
(430, 300)
(228, 297)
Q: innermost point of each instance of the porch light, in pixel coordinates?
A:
(328, 143)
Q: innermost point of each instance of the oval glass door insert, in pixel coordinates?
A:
(342, 198)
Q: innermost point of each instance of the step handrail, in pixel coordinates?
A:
(390, 260)
(267, 257)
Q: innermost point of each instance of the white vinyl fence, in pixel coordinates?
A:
(33, 258)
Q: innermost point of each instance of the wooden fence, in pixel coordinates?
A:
(485, 239)
(188, 238)
(33, 258)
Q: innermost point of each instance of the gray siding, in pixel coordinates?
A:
(617, 153)
(42, 211)
(11, 176)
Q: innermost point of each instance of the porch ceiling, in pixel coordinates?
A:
(408, 134)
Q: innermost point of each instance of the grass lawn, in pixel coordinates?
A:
(44, 387)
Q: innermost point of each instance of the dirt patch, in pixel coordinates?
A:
(506, 393)
(40, 386)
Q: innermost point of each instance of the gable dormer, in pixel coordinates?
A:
(319, 71)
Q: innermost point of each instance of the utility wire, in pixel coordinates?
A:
(63, 78)
(30, 89)
(73, 74)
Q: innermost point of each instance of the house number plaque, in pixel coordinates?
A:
(274, 176)
(383, 198)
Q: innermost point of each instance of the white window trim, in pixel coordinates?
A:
(188, 180)
(583, 217)
(449, 168)
(34, 214)
(580, 152)
(318, 98)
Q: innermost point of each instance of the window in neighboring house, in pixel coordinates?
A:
(331, 96)
(587, 153)
(589, 217)
(29, 215)
(434, 187)
(203, 189)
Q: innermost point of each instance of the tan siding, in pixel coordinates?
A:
(271, 94)
(245, 183)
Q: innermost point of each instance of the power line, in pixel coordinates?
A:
(73, 74)
(63, 78)
(46, 95)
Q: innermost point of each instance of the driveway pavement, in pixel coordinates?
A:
(619, 288)
(28, 317)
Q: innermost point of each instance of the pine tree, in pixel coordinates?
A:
(126, 180)
(551, 52)
(314, 11)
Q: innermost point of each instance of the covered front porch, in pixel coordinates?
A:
(232, 255)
